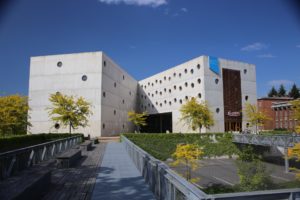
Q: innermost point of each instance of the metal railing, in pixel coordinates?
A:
(267, 140)
(167, 185)
(14, 161)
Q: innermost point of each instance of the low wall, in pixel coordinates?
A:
(167, 185)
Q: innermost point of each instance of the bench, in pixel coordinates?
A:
(31, 183)
(86, 146)
(68, 158)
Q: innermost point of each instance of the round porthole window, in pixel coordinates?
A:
(56, 126)
(180, 101)
(59, 64)
(103, 126)
(245, 71)
(216, 81)
(246, 97)
(192, 71)
(198, 66)
(199, 80)
(217, 110)
(192, 85)
(199, 95)
(84, 78)
(185, 70)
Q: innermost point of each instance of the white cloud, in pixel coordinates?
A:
(153, 3)
(279, 82)
(184, 9)
(268, 55)
(254, 47)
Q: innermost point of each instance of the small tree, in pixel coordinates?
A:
(296, 109)
(69, 111)
(255, 117)
(294, 152)
(138, 119)
(187, 155)
(252, 172)
(14, 114)
(197, 115)
(294, 92)
(281, 91)
(273, 92)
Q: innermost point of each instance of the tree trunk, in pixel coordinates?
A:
(70, 127)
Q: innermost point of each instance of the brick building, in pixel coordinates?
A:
(280, 112)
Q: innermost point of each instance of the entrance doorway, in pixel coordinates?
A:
(158, 123)
(233, 126)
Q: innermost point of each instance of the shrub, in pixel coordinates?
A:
(161, 146)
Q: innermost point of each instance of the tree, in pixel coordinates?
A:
(255, 117)
(187, 155)
(273, 92)
(138, 119)
(281, 91)
(296, 110)
(294, 152)
(294, 92)
(252, 172)
(14, 114)
(69, 110)
(197, 115)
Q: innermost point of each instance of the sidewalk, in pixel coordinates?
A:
(118, 178)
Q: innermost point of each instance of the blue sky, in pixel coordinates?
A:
(148, 36)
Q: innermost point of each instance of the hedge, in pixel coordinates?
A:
(20, 141)
(162, 146)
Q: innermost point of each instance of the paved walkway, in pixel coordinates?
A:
(118, 178)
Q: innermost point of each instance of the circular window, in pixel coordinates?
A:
(115, 84)
(156, 103)
(103, 126)
(104, 63)
(149, 83)
(186, 84)
(217, 110)
(160, 104)
(174, 87)
(175, 99)
(245, 71)
(145, 86)
(152, 95)
(174, 74)
(156, 92)
(148, 93)
(165, 101)
(160, 81)
(246, 97)
(185, 70)
(180, 101)
(165, 78)
(130, 93)
(170, 103)
(84, 78)
(170, 90)
(152, 84)
(104, 94)
(115, 112)
(160, 93)
(123, 126)
(216, 81)
(180, 88)
(199, 95)
(186, 97)
(123, 101)
(56, 126)
(199, 80)
(198, 66)
(192, 85)
(123, 77)
(169, 78)
(179, 75)
(192, 71)
(165, 89)
(59, 64)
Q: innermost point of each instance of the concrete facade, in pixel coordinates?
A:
(113, 92)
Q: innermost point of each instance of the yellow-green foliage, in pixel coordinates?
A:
(69, 110)
(196, 115)
(255, 117)
(138, 119)
(295, 153)
(13, 114)
(189, 156)
(296, 109)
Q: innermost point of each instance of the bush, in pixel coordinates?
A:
(161, 146)
(15, 142)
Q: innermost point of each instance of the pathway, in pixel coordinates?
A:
(118, 177)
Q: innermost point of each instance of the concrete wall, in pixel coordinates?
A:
(47, 78)
(120, 97)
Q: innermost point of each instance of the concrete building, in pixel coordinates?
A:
(225, 85)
